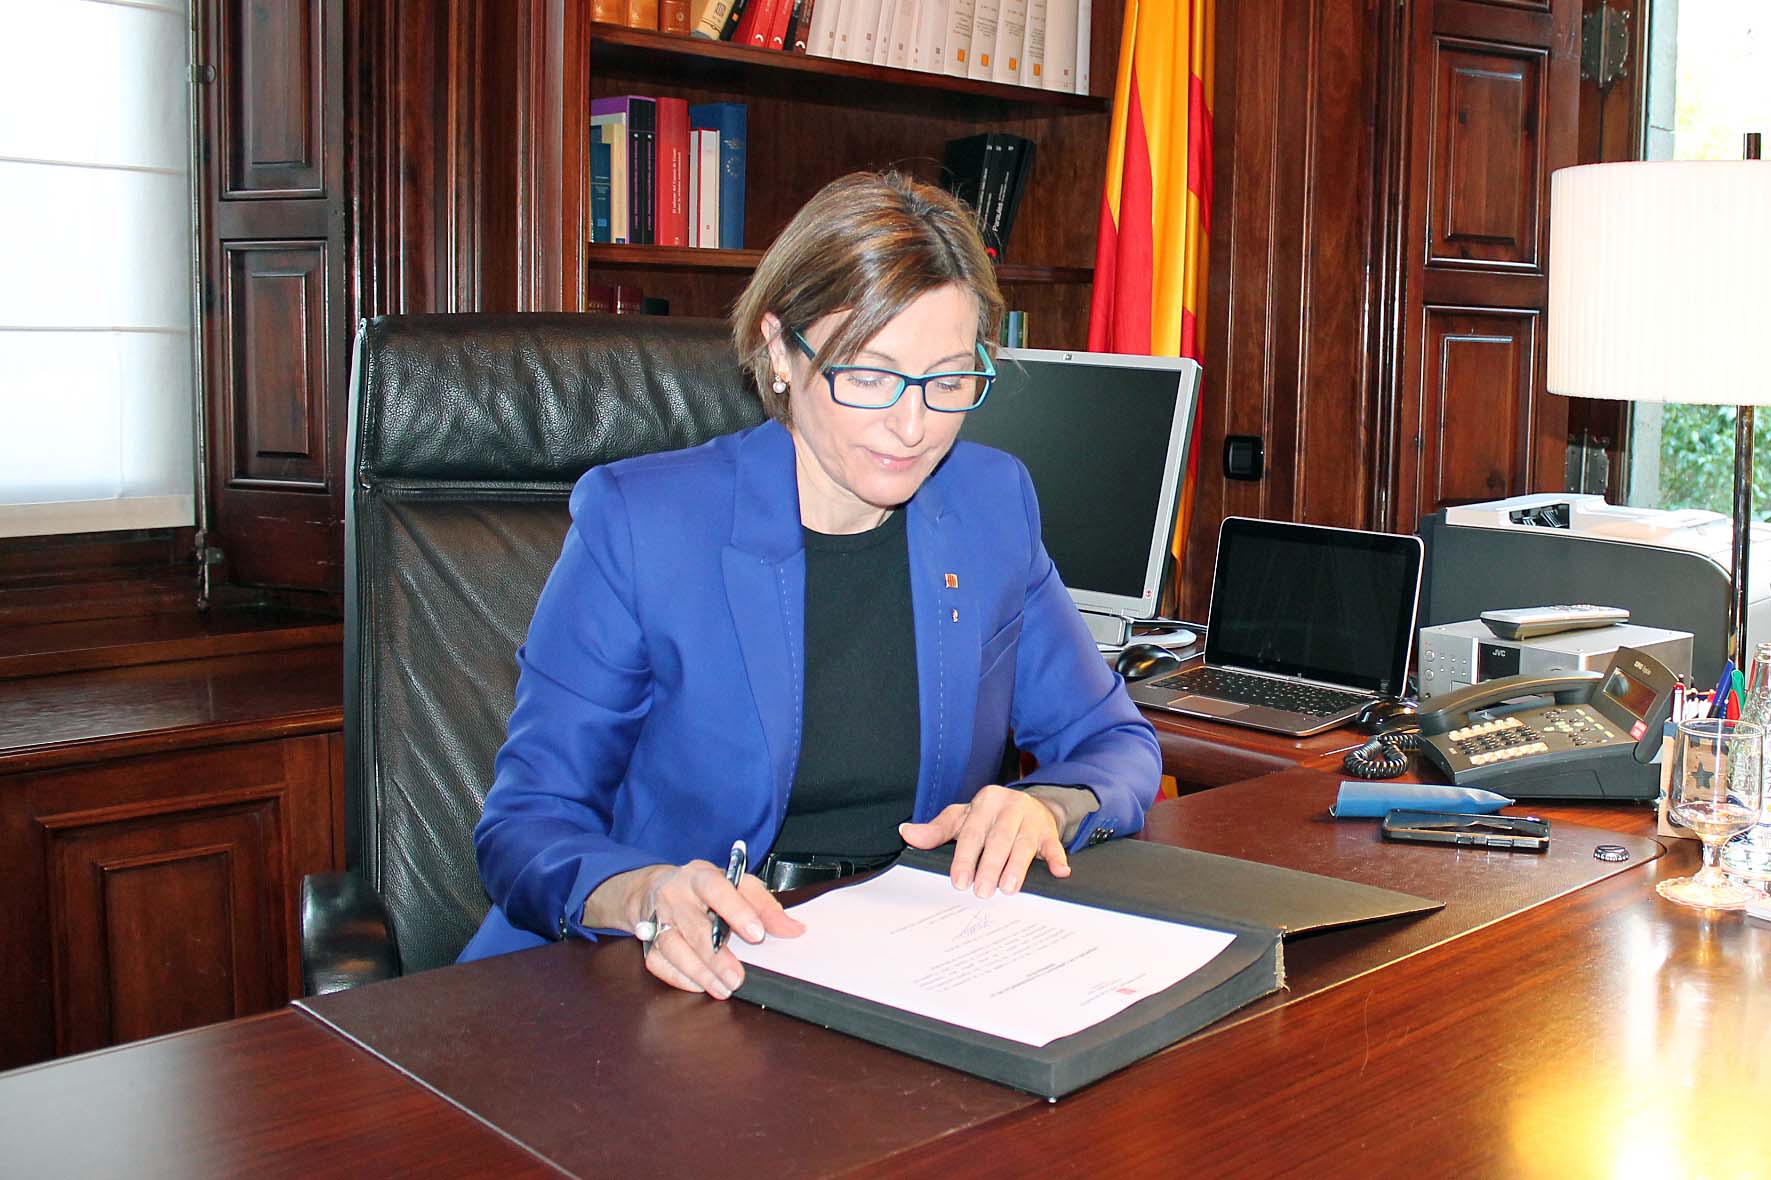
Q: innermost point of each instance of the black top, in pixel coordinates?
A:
(861, 737)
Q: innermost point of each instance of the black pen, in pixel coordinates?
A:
(734, 873)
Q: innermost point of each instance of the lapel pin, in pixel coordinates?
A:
(956, 616)
(952, 581)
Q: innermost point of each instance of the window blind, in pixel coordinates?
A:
(96, 384)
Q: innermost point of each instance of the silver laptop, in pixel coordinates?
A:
(1308, 625)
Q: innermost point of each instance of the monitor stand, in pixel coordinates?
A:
(1107, 630)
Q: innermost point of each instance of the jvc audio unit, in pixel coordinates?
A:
(1456, 655)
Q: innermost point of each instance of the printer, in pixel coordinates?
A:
(1668, 567)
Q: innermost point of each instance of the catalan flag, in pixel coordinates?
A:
(1150, 272)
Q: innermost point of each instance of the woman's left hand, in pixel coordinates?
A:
(995, 837)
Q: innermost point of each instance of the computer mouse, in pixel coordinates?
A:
(1140, 661)
(1381, 715)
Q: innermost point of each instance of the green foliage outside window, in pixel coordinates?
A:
(1697, 459)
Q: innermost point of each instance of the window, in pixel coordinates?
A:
(96, 386)
(1709, 82)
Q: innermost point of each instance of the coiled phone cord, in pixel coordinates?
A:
(1384, 756)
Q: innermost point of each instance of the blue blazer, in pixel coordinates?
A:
(658, 700)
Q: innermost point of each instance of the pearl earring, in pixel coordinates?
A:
(779, 385)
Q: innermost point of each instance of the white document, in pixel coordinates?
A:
(1019, 966)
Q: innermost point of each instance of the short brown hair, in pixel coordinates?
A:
(869, 243)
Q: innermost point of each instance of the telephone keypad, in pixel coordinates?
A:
(1502, 739)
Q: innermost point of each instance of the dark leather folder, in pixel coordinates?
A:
(1259, 904)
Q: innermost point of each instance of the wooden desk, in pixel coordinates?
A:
(1590, 1036)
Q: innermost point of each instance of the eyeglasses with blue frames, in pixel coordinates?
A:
(863, 387)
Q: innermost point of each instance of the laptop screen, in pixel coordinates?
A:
(1328, 604)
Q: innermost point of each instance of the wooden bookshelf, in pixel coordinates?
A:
(811, 119)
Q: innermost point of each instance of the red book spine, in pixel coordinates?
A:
(753, 26)
(778, 25)
(672, 195)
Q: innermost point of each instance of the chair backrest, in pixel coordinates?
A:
(467, 433)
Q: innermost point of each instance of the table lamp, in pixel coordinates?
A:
(1660, 291)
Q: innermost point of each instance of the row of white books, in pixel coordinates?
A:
(1039, 43)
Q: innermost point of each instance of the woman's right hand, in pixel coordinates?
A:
(683, 899)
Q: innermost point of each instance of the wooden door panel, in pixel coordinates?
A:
(1472, 420)
(275, 115)
(1471, 440)
(276, 381)
(276, 321)
(1485, 185)
(158, 921)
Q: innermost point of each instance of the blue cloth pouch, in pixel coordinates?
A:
(1364, 800)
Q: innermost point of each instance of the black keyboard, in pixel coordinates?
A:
(1270, 691)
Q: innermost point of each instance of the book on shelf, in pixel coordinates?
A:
(629, 300)
(821, 37)
(611, 12)
(983, 48)
(1060, 45)
(1085, 14)
(778, 22)
(855, 29)
(958, 54)
(799, 29)
(600, 227)
(1011, 39)
(654, 305)
(987, 171)
(928, 49)
(704, 193)
(1024, 150)
(708, 18)
(642, 135)
(734, 14)
(882, 36)
(642, 14)
(753, 25)
(1014, 329)
(671, 198)
(599, 297)
(1033, 55)
(730, 121)
(610, 125)
(673, 16)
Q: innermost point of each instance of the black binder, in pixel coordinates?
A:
(1258, 904)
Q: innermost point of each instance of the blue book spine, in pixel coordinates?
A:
(599, 193)
(730, 120)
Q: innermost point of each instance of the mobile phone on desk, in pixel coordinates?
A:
(1519, 833)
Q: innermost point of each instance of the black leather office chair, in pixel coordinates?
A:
(467, 433)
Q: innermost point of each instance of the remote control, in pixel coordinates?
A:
(1528, 622)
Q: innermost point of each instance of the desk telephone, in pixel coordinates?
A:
(1596, 739)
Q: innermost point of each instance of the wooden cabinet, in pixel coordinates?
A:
(155, 824)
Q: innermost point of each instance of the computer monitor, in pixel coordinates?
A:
(1105, 438)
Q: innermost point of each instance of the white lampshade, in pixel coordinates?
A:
(1660, 282)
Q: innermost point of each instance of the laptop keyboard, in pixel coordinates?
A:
(1269, 691)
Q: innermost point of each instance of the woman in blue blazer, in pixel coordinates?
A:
(818, 631)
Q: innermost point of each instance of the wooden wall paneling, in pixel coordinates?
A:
(1494, 109)
(152, 892)
(274, 224)
(1289, 309)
